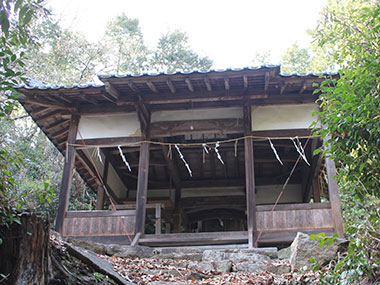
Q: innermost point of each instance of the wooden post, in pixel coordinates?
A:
(334, 196)
(158, 219)
(100, 193)
(100, 198)
(167, 228)
(250, 192)
(67, 175)
(316, 192)
(142, 188)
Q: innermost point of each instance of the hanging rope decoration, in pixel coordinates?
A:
(170, 152)
(236, 148)
(183, 159)
(275, 151)
(205, 150)
(99, 155)
(217, 152)
(299, 149)
(124, 158)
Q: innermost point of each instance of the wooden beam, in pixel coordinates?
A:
(283, 134)
(39, 111)
(88, 98)
(226, 84)
(151, 86)
(107, 108)
(106, 142)
(189, 85)
(111, 90)
(267, 78)
(47, 104)
(108, 97)
(64, 193)
(49, 115)
(132, 85)
(88, 165)
(245, 80)
(227, 202)
(199, 98)
(208, 84)
(60, 133)
(142, 188)
(171, 86)
(57, 124)
(250, 192)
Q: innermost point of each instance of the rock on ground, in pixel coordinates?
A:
(303, 248)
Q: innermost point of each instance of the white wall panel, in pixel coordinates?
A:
(109, 126)
(280, 117)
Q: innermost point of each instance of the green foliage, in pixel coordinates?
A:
(173, 53)
(351, 119)
(295, 59)
(15, 17)
(126, 51)
(305, 60)
(362, 259)
(63, 56)
(351, 104)
(262, 58)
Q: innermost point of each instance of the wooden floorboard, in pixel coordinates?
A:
(194, 239)
(211, 238)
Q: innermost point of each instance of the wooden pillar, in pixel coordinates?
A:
(167, 228)
(316, 191)
(100, 198)
(100, 194)
(67, 175)
(142, 188)
(177, 222)
(334, 196)
(250, 192)
(158, 219)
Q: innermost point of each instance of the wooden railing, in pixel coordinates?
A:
(286, 220)
(278, 226)
(99, 223)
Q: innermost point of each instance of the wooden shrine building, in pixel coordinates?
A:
(176, 159)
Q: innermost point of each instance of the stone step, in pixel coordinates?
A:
(268, 251)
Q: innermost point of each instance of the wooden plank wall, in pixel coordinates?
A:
(295, 217)
(99, 223)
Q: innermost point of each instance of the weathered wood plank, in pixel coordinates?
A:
(295, 219)
(285, 207)
(99, 213)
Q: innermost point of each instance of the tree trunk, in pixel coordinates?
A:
(25, 251)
